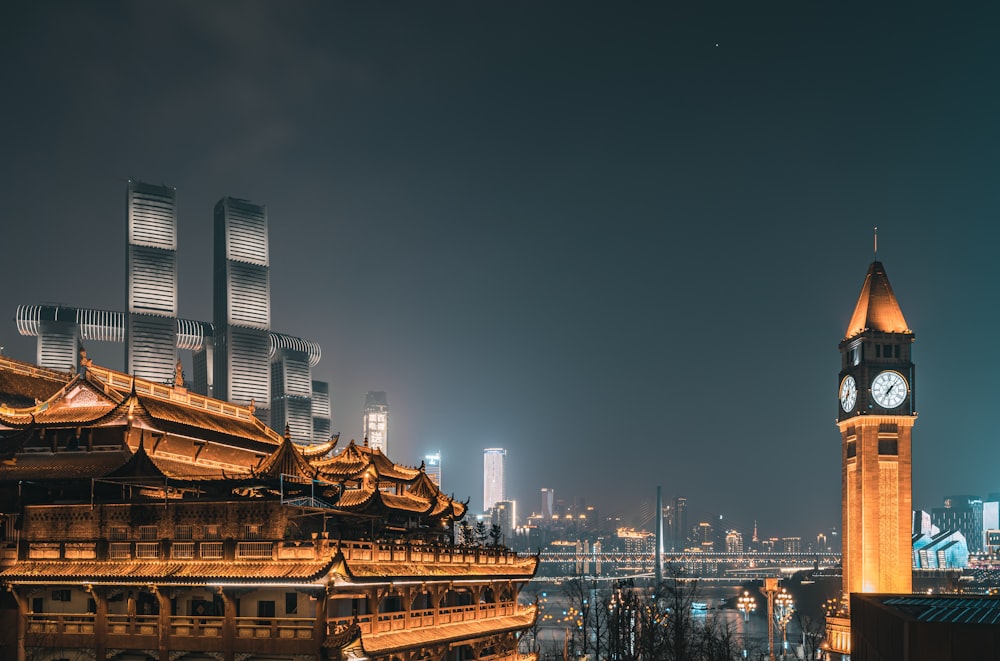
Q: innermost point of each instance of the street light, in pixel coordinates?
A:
(784, 606)
(747, 604)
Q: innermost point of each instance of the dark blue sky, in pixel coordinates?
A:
(623, 244)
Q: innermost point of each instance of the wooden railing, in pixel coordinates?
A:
(418, 619)
(180, 626)
(427, 554)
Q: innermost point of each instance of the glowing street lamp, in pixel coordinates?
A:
(747, 604)
(784, 606)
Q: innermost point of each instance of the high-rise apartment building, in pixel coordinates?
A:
(493, 477)
(504, 515)
(242, 301)
(151, 282)
(375, 422)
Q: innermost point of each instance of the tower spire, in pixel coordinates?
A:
(876, 243)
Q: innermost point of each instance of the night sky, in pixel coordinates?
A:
(621, 243)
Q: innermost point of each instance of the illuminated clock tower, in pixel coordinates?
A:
(876, 412)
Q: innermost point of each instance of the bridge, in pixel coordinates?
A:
(720, 567)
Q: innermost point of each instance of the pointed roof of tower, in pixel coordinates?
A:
(877, 308)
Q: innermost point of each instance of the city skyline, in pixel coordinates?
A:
(631, 237)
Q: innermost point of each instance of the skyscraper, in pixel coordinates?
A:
(493, 479)
(242, 301)
(376, 420)
(151, 281)
(676, 524)
(548, 503)
(876, 413)
(432, 465)
(322, 415)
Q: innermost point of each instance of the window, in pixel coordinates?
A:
(183, 532)
(852, 449)
(120, 551)
(291, 603)
(212, 532)
(147, 533)
(37, 605)
(118, 533)
(888, 446)
(265, 609)
(60, 595)
(252, 531)
(888, 351)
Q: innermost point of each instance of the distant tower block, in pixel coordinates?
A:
(876, 412)
(376, 420)
(151, 276)
(548, 503)
(432, 465)
(242, 304)
(493, 477)
(322, 414)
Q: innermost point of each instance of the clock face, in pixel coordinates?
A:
(848, 393)
(889, 389)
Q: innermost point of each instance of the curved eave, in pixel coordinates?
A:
(187, 573)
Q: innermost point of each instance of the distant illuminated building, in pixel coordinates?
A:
(375, 422)
(432, 465)
(791, 545)
(821, 543)
(493, 478)
(963, 513)
(548, 503)
(504, 515)
(676, 523)
(151, 282)
(734, 542)
(242, 300)
(704, 536)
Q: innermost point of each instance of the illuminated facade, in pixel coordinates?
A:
(493, 479)
(375, 420)
(186, 529)
(151, 282)
(548, 503)
(876, 412)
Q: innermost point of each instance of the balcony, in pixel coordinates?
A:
(206, 634)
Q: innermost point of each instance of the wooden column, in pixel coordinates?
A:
(22, 621)
(162, 624)
(100, 621)
(228, 624)
(320, 621)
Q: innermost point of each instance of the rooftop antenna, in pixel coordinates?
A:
(876, 243)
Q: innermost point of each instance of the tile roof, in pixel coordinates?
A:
(21, 384)
(320, 449)
(63, 465)
(948, 608)
(877, 308)
(163, 572)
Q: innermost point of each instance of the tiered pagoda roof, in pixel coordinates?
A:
(151, 430)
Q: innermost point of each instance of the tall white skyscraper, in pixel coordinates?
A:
(151, 282)
(493, 481)
(376, 420)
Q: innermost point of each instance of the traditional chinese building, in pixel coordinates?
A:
(141, 521)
